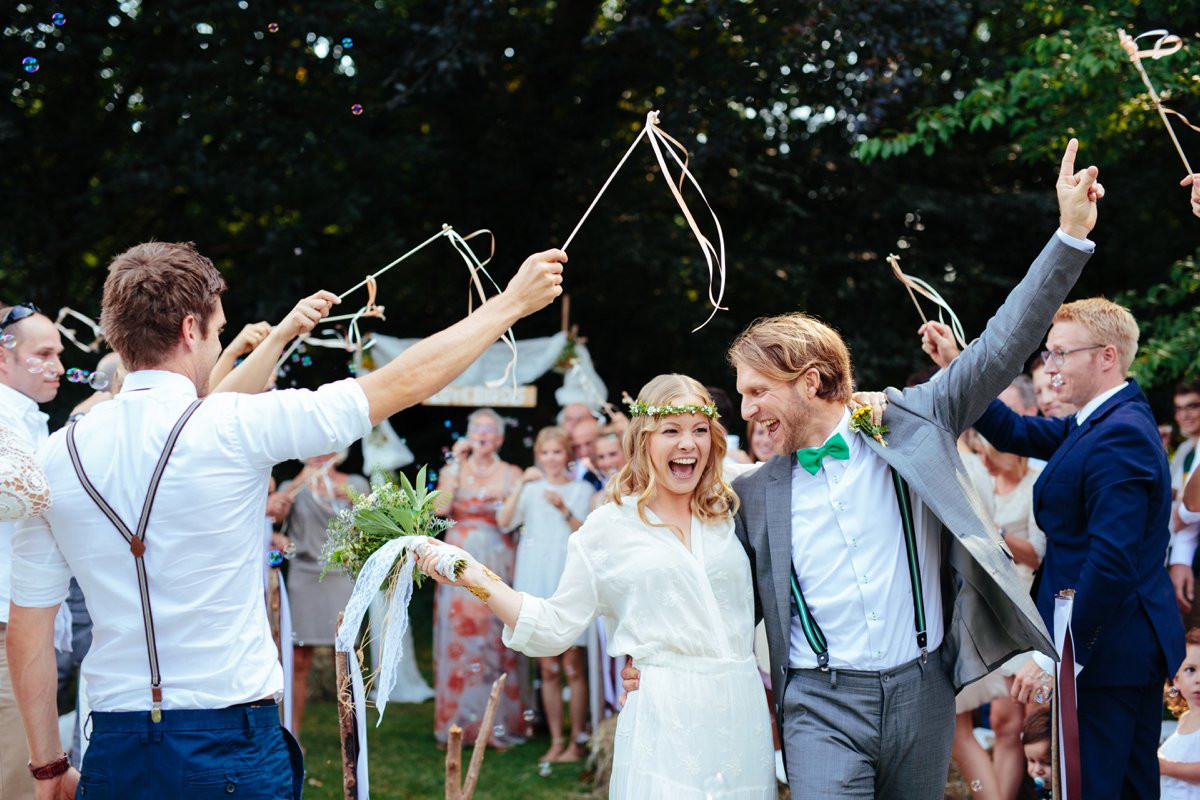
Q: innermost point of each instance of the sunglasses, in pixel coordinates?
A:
(17, 313)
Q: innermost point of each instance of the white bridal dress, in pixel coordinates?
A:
(698, 726)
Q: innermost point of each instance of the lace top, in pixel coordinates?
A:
(23, 488)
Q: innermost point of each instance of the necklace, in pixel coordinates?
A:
(475, 476)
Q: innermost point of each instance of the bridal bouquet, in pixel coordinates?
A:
(389, 513)
(370, 541)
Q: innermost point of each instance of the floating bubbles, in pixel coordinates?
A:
(445, 423)
(476, 666)
(306, 361)
(295, 359)
(544, 769)
(274, 558)
(58, 18)
(8, 341)
(30, 64)
(529, 715)
(347, 43)
(356, 109)
(976, 785)
(527, 442)
(272, 27)
(99, 381)
(76, 375)
(35, 365)
(499, 731)
(1042, 693)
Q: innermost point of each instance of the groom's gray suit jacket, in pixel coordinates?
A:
(990, 614)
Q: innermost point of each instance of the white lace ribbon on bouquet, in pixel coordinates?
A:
(370, 578)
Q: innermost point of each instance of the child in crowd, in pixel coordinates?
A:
(549, 505)
(1035, 739)
(1179, 756)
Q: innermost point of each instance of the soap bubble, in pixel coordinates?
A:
(976, 785)
(445, 423)
(99, 381)
(76, 375)
(273, 27)
(30, 64)
(295, 359)
(356, 109)
(274, 558)
(58, 18)
(544, 769)
(306, 361)
(476, 666)
(528, 715)
(8, 341)
(499, 731)
(34, 365)
(347, 43)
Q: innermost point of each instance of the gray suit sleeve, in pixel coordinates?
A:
(962, 391)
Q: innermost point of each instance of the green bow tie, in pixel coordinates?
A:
(810, 457)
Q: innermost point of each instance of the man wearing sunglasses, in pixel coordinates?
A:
(30, 366)
(1104, 501)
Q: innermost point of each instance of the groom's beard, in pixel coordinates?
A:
(794, 422)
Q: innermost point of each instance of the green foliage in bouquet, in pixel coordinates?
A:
(372, 520)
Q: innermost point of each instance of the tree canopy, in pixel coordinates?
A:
(825, 135)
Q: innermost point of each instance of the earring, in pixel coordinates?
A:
(1173, 693)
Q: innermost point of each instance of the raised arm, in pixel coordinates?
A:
(967, 384)
(431, 363)
(265, 344)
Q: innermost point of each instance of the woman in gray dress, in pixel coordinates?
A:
(320, 493)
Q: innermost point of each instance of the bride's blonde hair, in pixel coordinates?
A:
(713, 498)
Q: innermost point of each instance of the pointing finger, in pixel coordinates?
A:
(1068, 160)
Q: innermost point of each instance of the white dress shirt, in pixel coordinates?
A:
(849, 554)
(22, 415)
(204, 546)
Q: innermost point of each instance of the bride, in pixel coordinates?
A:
(662, 567)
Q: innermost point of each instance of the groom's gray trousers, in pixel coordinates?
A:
(851, 734)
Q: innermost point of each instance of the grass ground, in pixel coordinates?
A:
(404, 759)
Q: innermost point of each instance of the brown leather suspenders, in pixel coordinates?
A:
(137, 540)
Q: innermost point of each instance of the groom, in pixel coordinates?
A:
(883, 587)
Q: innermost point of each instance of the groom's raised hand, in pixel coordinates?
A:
(1078, 194)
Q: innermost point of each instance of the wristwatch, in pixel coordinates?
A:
(52, 770)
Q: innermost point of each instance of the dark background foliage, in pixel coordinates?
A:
(825, 134)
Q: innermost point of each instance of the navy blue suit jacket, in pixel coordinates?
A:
(1104, 502)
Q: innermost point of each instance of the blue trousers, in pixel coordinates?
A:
(229, 752)
(1119, 728)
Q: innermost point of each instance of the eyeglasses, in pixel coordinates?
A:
(17, 313)
(1060, 356)
(1188, 407)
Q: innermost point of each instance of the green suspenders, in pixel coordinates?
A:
(812, 631)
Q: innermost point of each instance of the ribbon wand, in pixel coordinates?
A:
(1166, 44)
(917, 286)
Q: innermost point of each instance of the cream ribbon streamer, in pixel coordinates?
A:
(661, 142)
(69, 333)
(371, 577)
(1166, 44)
(917, 286)
(354, 341)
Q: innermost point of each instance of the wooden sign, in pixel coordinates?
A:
(524, 396)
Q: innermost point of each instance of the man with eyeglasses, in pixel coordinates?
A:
(30, 366)
(1104, 502)
(1183, 543)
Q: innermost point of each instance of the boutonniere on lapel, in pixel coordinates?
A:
(860, 422)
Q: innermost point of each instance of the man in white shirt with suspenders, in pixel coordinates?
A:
(158, 503)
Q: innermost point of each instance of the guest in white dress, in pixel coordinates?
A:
(662, 567)
(548, 505)
(1179, 755)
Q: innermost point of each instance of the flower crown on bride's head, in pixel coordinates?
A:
(637, 409)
